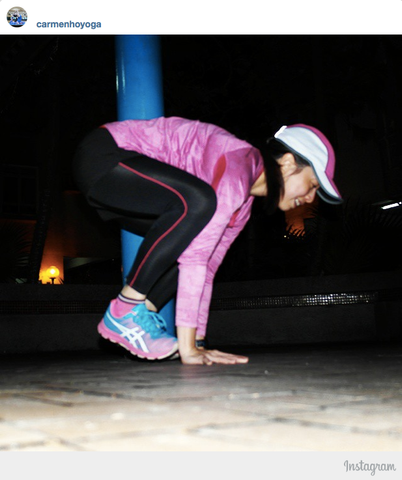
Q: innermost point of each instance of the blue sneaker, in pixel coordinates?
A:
(140, 331)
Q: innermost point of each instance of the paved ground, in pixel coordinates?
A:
(310, 398)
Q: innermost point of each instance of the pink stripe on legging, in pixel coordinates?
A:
(167, 231)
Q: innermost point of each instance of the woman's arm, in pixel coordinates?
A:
(187, 277)
(229, 236)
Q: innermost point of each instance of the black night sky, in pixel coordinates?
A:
(53, 90)
(250, 85)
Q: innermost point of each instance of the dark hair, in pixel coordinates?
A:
(271, 152)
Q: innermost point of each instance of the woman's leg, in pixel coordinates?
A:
(171, 204)
(168, 207)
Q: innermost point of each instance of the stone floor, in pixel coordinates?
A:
(290, 398)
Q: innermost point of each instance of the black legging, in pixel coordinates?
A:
(165, 205)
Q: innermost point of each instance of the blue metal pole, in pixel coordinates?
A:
(139, 96)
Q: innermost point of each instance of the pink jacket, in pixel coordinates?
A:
(230, 166)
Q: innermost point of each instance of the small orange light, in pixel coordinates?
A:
(52, 272)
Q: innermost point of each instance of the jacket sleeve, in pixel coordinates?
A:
(231, 178)
(198, 266)
(193, 267)
(230, 234)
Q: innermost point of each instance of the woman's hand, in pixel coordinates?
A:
(199, 356)
(191, 355)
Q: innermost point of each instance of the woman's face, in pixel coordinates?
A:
(300, 185)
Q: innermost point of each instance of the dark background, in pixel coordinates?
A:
(53, 90)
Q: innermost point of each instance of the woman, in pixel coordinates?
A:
(187, 187)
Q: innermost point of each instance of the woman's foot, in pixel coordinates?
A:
(141, 332)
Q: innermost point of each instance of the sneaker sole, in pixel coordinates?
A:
(113, 337)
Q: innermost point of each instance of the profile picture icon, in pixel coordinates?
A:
(17, 17)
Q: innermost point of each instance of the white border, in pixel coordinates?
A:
(250, 17)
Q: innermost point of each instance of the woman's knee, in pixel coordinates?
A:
(202, 201)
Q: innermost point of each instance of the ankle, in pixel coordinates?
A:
(132, 294)
(131, 301)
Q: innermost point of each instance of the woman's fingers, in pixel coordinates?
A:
(209, 357)
(221, 357)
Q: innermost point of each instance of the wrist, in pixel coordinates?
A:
(186, 339)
